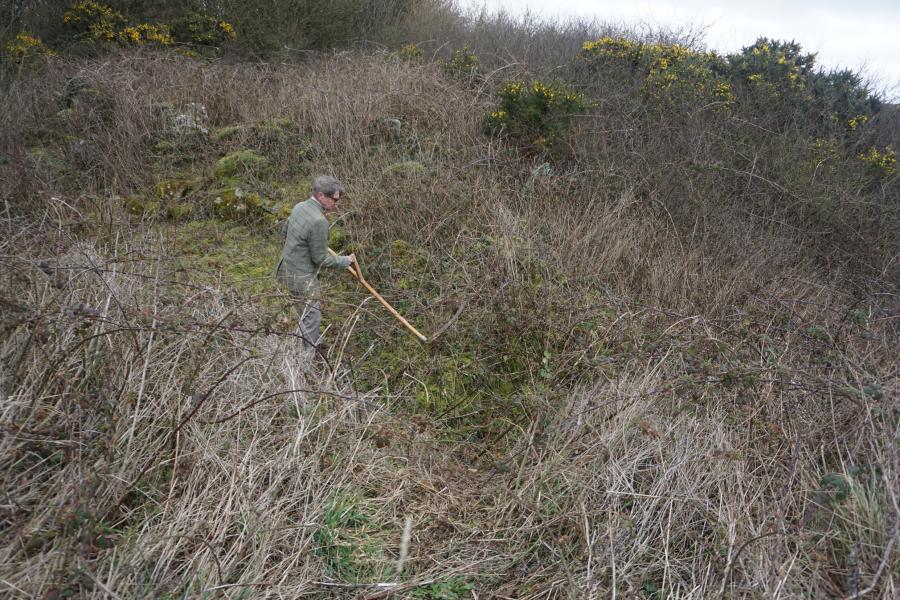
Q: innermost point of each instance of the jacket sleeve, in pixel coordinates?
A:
(318, 248)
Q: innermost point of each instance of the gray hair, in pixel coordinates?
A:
(326, 184)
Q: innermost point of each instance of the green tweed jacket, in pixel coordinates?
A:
(306, 249)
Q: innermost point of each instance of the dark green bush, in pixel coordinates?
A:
(534, 114)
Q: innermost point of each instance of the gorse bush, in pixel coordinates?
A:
(264, 28)
(772, 67)
(677, 74)
(462, 63)
(846, 101)
(97, 23)
(665, 73)
(202, 30)
(25, 47)
(410, 52)
(94, 21)
(778, 81)
(145, 33)
(283, 27)
(774, 80)
(880, 164)
(534, 114)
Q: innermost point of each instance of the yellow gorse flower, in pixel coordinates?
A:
(610, 47)
(724, 91)
(24, 45)
(145, 33)
(228, 30)
(858, 121)
(131, 33)
(101, 23)
(882, 163)
(513, 90)
(670, 71)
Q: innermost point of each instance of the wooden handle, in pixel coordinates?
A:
(357, 273)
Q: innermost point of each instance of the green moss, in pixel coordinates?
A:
(408, 259)
(225, 134)
(242, 162)
(179, 211)
(165, 147)
(282, 210)
(336, 238)
(214, 252)
(278, 134)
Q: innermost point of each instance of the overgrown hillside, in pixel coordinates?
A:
(661, 287)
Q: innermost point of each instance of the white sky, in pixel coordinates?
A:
(864, 36)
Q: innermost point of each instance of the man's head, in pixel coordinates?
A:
(327, 191)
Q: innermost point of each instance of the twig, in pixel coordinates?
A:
(884, 561)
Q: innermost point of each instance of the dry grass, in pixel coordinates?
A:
(711, 419)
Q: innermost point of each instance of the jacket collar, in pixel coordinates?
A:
(312, 200)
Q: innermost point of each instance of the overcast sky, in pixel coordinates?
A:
(859, 35)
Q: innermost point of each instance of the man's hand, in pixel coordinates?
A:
(352, 258)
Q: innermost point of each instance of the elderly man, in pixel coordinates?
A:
(306, 251)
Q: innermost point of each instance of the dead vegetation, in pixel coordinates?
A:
(627, 403)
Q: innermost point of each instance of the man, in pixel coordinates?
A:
(306, 251)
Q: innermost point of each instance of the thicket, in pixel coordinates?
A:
(265, 29)
(665, 360)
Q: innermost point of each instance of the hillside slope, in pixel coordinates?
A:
(658, 375)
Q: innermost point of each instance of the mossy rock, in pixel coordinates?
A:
(226, 134)
(261, 135)
(282, 123)
(281, 210)
(189, 119)
(175, 188)
(269, 134)
(404, 170)
(277, 130)
(236, 204)
(242, 162)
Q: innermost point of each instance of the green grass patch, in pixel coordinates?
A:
(350, 541)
